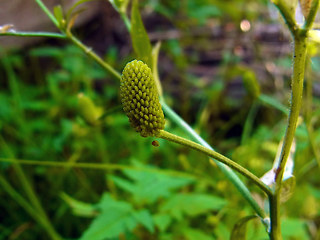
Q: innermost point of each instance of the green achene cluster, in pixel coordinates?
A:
(140, 99)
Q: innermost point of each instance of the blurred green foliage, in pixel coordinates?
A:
(167, 192)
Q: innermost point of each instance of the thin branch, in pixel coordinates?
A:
(219, 157)
(33, 34)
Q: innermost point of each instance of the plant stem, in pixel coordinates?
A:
(275, 228)
(219, 157)
(300, 49)
(312, 15)
(126, 20)
(47, 12)
(33, 34)
(94, 56)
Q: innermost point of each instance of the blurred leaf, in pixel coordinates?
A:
(162, 221)
(70, 12)
(140, 40)
(192, 204)
(80, 208)
(148, 187)
(120, 5)
(251, 84)
(145, 218)
(116, 218)
(239, 231)
(58, 13)
(192, 234)
(294, 229)
(88, 111)
(287, 189)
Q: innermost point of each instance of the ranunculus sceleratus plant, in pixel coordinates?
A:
(141, 97)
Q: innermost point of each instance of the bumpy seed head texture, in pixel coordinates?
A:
(140, 99)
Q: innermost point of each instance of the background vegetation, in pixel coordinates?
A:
(212, 53)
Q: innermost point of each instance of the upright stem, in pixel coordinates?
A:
(299, 57)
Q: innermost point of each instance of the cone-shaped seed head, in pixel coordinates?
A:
(140, 99)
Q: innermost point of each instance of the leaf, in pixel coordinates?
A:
(239, 230)
(251, 83)
(294, 229)
(162, 221)
(116, 218)
(287, 189)
(140, 40)
(192, 204)
(119, 5)
(74, 6)
(148, 187)
(58, 13)
(144, 217)
(80, 208)
(192, 234)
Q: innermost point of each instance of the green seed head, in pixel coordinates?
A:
(140, 99)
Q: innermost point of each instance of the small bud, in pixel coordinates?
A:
(140, 99)
(88, 111)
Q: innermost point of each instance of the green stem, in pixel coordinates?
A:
(126, 20)
(312, 15)
(275, 230)
(33, 34)
(300, 49)
(296, 100)
(96, 166)
(249, 122)
(94, 56)
(287, 15)
(217, 156)
(47, 11)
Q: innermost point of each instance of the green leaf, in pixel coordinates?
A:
(287, 189)
(119, 5)
(162, 221)
(116, 218)
(192, 234)
(144, 218)
(74, 6)
(140, 40)
(58, 13)
(294, 229)
(148, 187)
(239, 230)
(192, 204)
(251, 83)
(80, 208)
